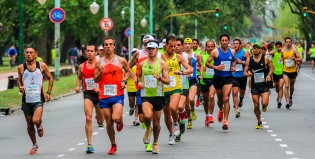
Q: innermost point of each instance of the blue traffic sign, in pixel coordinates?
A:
(57, 15)
(127, 32)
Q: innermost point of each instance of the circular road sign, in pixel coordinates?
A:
(127, 32)
(106, 24)
(57, 15)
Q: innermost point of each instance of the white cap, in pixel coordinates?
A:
(134, 50)
(164, 41)
(161, 45)
(147, 37)
(152, 45)
(100, 47)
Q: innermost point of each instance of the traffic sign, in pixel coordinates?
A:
(57, 15)
(106, 24)
(127, 32)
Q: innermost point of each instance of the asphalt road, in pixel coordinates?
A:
(287, 134)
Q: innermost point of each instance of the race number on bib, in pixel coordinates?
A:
(150, 81)
(172, 82)
(239, 67)
(289, 63)
(209, 72)
(90, 84)
(227, 65)
(259, 77)
(32, 91)
(110, 90)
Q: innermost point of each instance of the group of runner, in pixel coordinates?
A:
(170, 81)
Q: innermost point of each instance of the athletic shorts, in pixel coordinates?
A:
(184, 92)
(132, 94)
(205, 87)
(219, 82)
(157, 102)
(240, 82)
(276, 78)
(138, 97)
(29, 108)
(291, 75)
(167, 95)
(92, 96)
(193, 82)
(109, 102)
(259, 90)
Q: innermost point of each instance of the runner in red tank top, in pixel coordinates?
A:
(109, 75)
(91, 90)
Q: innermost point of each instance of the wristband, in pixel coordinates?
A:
(124, 81)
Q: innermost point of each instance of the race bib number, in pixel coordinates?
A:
(289, 63)
(90, 84)
(150, 81)
(312, 55)
(209, 72)
(239, 67)
(227, 65)
(172, 82)
(110, 90)
(259, 77)
(32, 91)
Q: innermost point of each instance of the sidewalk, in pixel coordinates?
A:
(4, 77)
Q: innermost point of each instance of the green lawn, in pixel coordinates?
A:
(12, 98)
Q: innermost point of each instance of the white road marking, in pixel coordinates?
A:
(304, 74)
(289, 152)
(264, 122)
(262, 118)
(81, 143)
(273, 135)
(283, 145)
(269, 131)
(85, 139)
(266, 126)
(101, 128)
(294, 158)
(61, 155)
(71, 149)
(127, 112)
(278, 140)
(95, 133)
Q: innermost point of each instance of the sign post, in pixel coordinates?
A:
(106, 24)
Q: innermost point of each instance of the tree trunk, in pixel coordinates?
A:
(68, 41)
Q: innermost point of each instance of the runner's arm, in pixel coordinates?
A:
(270, 65)
(246, 68)
(209, 60)
(165, 79)
(98, 71)
(297, 57)
(20, 82)
(188, 68)
(126, 68)
(49, 76)
(79, 79)
(199, 63)
(134, 59)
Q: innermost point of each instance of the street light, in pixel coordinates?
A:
(304, 11)
(123, 12)
(42, 1)
(144, 22)
(94, 7)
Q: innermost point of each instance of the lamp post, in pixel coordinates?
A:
(94, 7)
(132, 25)
(151, 17)
(20, 55)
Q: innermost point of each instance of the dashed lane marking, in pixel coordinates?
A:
(289, 152)
(95, 133)
(283, 145)
(80, 144)
(71, 149)
(279, 140)
(273, 135)
(270, 131)
(61, 155)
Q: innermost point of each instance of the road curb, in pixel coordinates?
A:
(9, 111)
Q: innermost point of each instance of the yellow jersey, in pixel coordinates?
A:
(289, 65)
(173, 66)
(131, 85)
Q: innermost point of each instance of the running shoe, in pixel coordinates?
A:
(220, 116)
(182, 126)
(119, 126)
(290, 102)
(189, 126)
(193, 115)
(237, 113)
(136, 122)
(34, 149)
(225, 125)
(89, 149)
(143, 126)
(148, 147)
(197, 102)
(279, 104)
(155, 149)
(131, 111)
(211, 119)
(264, 109)
(176, 130)
(171, 140)
(101, 125)
(112, 150)
(40, 131)
(287, 105)
(259, 125)
(178, 138)
(147, 136)
(207, 121)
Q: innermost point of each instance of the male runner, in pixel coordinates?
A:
(198, 51)
(153, 72)
(256, 68)
(239, 80)
(91, 90)
(193, 59)
(30, 84)
(311, 52)
(277, 76)
(173, 91)
(224, 65)
(109, 75)
(290, 57)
